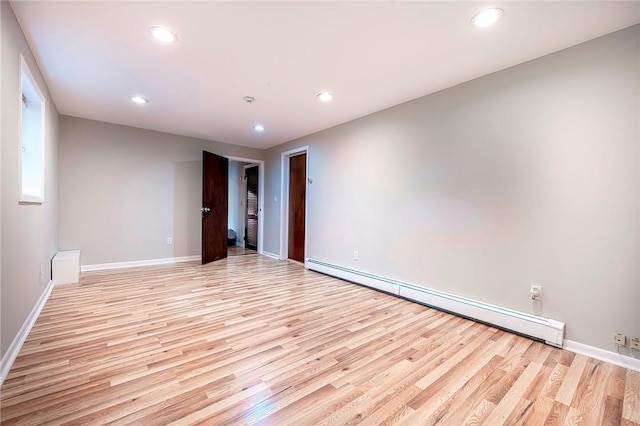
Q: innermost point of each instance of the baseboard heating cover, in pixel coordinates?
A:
(548, 330)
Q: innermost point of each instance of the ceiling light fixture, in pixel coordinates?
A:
(258, 128)
(325, 96)
(139, 100)
(487, 17)
(163, 34)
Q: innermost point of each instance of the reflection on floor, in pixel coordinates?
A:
(239, 251)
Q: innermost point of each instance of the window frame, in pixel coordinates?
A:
(25, 71)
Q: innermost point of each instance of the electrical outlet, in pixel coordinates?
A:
(536, 292)
(169, 241)
(355, 255)
(619, 339)
(635, 343)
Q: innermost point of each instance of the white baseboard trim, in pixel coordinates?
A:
(546, 329)
(603, 355)
(271, 255)
(13, 350)
(137, 263)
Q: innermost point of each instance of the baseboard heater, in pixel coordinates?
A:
(544, 329)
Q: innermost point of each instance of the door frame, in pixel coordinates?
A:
(260, 164)
(284, 201)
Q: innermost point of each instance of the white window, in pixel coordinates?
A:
(31, 138)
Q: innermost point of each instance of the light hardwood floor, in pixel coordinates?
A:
(239, 251)
(253, 340)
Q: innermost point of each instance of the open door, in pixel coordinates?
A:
(215, 205)
(251, 217)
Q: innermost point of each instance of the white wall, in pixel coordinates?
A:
(527, 176)
(124, 190)
(234, 201)
(242, 208)
(237, 195)
(29, 233)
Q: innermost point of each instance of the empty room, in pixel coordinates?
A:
(300, 213)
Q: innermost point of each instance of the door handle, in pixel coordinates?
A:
(205, 210)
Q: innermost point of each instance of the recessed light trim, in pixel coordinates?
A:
(139, 100)
(163, 34)
(259, 128)
(325, 96)
(487, 17)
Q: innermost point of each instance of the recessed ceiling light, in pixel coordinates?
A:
(163, 34)
(487, 17)
(258, 128)
(325, 96)
(139, 99)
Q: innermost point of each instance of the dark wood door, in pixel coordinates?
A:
(215, 206)
(297, 207)
(251, 225)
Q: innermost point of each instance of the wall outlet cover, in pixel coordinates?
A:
(619, 339)
(536, 292)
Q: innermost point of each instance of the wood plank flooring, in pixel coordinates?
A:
(251, 340)
(239, 251)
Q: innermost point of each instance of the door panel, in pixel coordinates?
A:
(297, 207)
(215, 205)
(251, 229)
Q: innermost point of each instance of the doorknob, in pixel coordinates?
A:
(205, 210)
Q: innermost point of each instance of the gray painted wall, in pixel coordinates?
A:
(242, 207)
(526, 176)
(234, 191)
(124, 190)
(29, 232)
(237, 199)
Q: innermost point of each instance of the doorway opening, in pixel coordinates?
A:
(293, 209)
(245, 206)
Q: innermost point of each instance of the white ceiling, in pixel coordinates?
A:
(372, 55)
